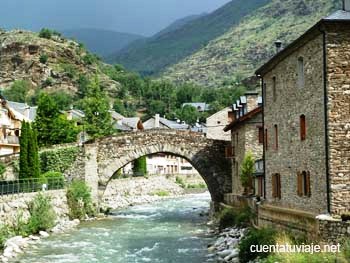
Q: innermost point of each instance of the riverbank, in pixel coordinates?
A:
(119, 194)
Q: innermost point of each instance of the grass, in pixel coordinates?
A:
(161, 193)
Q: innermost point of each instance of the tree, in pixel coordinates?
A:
(29, 153)
(247, 170)
(98, 119)
(52, 127)
(140, 166)
(33, 154)
(18, 91)
(189, 114)
(23, 156)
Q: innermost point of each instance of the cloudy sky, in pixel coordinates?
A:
(144, 17)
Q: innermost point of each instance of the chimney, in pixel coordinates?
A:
(156, 121)
(252, 100)
(346, 5)
(278, 44)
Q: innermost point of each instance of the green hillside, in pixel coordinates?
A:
(151, 56)
(101, 42)
(238, 52)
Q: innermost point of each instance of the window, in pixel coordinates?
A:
(274, 88)
(264, 93)
(300, 71)
(304, 185)
(261, 135)
(266, 140)
(276, 186)
(276, 137)
(302, 127)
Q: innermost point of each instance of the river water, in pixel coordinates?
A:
(168, 231)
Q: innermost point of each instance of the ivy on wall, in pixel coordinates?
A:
(58, 160)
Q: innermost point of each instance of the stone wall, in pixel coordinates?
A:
(123, 192)
(11, 206)
(294, 155)
(332, 232)
(338, 77)
(9, 161)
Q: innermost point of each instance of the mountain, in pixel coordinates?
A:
(247, 45)
(101, 42)
(48, 62)
(152, 55)
(178, 24)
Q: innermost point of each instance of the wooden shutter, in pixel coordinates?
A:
(300, 183)
(308, 185)
(274, 186)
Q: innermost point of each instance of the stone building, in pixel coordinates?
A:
(306, 90)
(246, 136)
(216, 122)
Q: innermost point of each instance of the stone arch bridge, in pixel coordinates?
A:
(101, 158)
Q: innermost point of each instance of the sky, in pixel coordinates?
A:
(145, 17)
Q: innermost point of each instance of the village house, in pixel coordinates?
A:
(12, 114)
(157, 122)
(306, 90)
(200, 106)
(216, 122)
(246, 130)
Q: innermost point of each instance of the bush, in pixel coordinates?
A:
(226, 218)
(264, 236)
(43, 58)
(79, 200)
(58, 160)
(45, 33)
(54, 180)
(69, 69)
(180, 182)
(42, 215)
(47, 82)
(5, 233)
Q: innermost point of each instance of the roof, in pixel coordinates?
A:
(21, 108)
(242, 119)
(77, 114)
(150, 124)
(116, 115)
(338, 16)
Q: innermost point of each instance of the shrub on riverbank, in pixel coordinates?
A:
(42, 215)
(5, 233)
(79, 200)
(180, 182)
(264, 236)
(229, 217)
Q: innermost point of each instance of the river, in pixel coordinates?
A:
(168, 231)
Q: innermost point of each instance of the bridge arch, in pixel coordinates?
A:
(104, 156)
